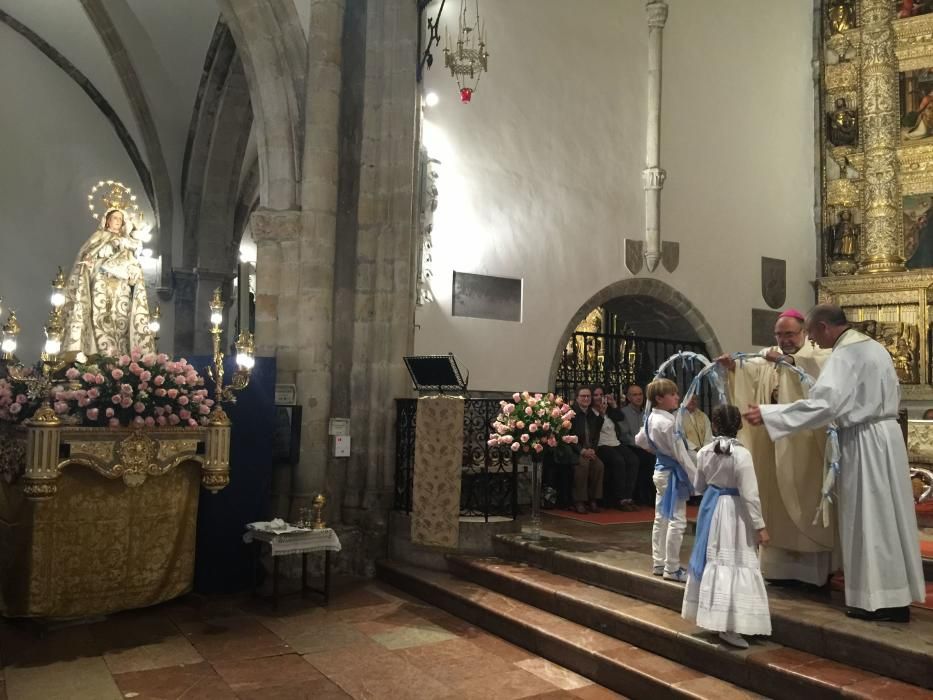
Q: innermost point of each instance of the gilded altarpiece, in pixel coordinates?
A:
(876, 139)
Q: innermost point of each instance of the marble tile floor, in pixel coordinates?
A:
(372, 642)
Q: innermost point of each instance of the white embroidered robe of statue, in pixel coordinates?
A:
(106, 312)
(859, 390)
(789, 470)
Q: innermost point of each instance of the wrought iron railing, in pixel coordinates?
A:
(489, 479)
(489, 483)
(616, 361)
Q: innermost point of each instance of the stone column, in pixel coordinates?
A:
(186, 287)
(276, 235)
(385, 276)
(882, 231)
(318, 192)
(653, 174)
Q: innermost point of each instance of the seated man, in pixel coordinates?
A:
(634, 414)
(621, 463)
(587, 467)
(928, 414)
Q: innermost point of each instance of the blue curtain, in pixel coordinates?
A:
(223, 562)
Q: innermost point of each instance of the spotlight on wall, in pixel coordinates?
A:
(431, 99)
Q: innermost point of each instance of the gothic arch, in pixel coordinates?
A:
(271, 44)
(641, 287)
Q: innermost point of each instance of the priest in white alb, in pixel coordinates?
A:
(789, 470)
(858, 389)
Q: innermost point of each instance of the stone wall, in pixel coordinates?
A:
(335, 289)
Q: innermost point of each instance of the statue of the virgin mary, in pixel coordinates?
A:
(106, 311)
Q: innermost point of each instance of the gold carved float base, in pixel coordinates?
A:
(104, 520)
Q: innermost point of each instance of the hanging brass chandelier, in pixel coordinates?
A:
(468, 59)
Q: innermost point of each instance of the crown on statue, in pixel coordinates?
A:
(110, 194)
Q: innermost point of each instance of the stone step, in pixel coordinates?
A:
(813, 624)
(766, 667)
(622, 667)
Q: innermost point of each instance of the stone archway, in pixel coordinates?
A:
(648, 295)
(272, 46)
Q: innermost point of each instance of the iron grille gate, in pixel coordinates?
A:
(616, 361)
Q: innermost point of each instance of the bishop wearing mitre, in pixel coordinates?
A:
(789, 470)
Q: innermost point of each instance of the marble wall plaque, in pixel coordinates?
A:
(763, 321)
(484, 296)
(773, 281)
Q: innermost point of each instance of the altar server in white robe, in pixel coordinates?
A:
(859, 390)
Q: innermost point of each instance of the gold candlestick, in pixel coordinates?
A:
(318, 505)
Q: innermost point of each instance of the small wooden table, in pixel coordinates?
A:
(301, 541)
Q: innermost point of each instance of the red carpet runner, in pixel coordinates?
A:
(611, 516)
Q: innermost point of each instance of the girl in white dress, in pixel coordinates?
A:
(725, 590)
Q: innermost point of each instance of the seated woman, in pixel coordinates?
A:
(106, 311)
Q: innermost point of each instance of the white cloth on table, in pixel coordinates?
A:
(292, 540)
(731, 595)
(859, 390)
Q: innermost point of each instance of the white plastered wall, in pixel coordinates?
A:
(541, 174)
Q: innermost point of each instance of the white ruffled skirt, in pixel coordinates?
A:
(731, 596)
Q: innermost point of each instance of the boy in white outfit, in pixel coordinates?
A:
(673, 475)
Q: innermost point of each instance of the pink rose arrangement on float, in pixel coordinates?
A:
(17, 401)
(141, 390)
(532, 423)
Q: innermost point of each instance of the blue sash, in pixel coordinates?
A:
(704, 520)
(678, 484)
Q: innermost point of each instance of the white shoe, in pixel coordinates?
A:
(658, 570)
(736, 640)
(680, 575)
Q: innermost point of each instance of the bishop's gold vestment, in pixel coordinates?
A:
(789, 470)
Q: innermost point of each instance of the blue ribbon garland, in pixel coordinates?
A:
(832, 432)
(715, 373)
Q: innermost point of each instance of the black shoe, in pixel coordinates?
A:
(881, 614)
(812, 588)
(783, 582)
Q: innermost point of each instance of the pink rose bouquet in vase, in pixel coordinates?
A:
(140, 390)
(532, 424)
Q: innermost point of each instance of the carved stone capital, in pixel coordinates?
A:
(657, 13)
(271, 225)
(653, 178)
